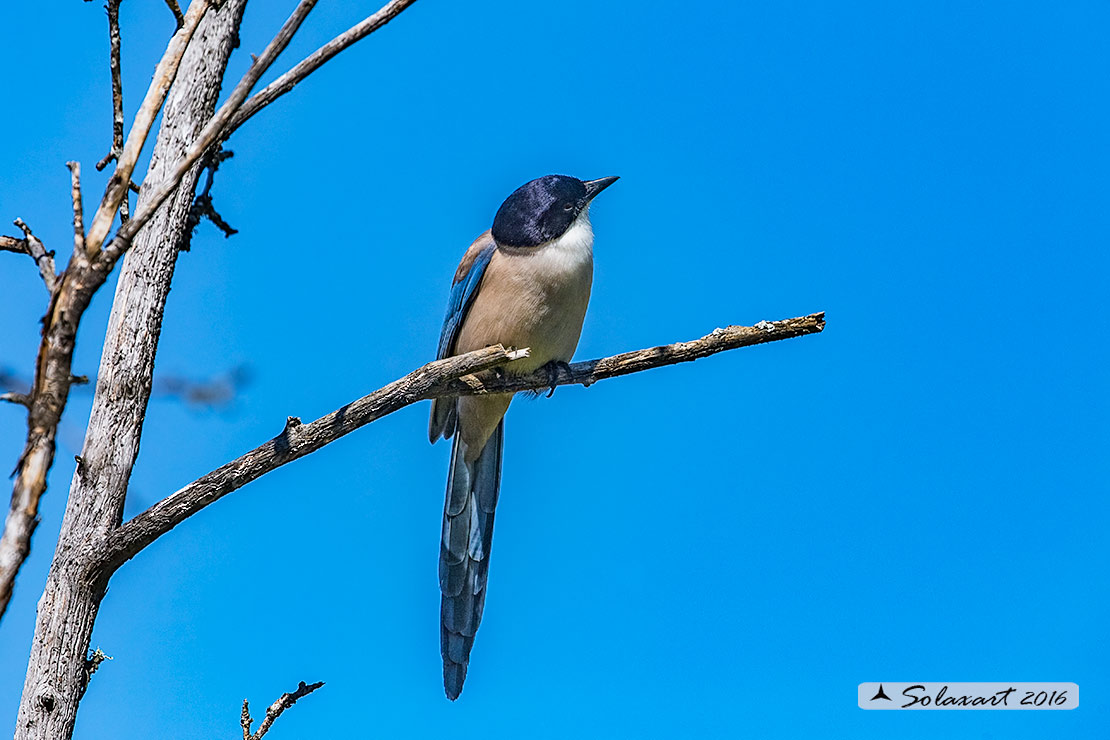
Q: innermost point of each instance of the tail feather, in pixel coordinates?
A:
(444, 417)
(468, 512)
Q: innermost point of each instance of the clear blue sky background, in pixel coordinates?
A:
(720, 549)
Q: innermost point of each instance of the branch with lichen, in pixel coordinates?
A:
(454, 376)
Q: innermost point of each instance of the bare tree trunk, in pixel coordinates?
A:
(57, 672)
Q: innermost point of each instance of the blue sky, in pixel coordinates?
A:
(721, 549)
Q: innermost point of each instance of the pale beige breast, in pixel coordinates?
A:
(536, 300)
(533, 298)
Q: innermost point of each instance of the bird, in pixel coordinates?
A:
(523, 283)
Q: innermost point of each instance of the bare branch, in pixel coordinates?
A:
(176, 12)
(310, 64)
(295, 441)
(588, 373)
(44, 404)
(164, 75)
(117, 86)
(246, 720)
(212, 130)
(203, 206)
(285, 701)
(11, 244)
(450, 377)
(31, 246)
(70, 294)
(68, 607)
(15, 543)
(117, 96)
(20, 399)
(78, 211)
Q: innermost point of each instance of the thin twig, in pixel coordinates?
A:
(450, 377)
(21, 399)
(176, 12)
(30, 245)
(78, 211)
(164, 75)
(246, 720)
(211, 131)
(284, 701)
(117, 96)
(203, 207)
(117, 86)
(311, 63)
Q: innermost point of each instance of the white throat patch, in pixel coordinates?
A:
(576, 245)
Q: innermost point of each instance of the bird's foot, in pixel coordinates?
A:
(553, 369)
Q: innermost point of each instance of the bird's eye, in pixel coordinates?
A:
(568, 207)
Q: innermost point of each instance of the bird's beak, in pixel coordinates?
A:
(593, 187)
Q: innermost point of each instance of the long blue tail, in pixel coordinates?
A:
(464, 552)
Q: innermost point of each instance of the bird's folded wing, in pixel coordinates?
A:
(467, 279)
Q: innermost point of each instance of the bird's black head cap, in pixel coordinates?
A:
(543, 209)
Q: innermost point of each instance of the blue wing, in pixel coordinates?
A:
(442, 422)
(462, 295)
